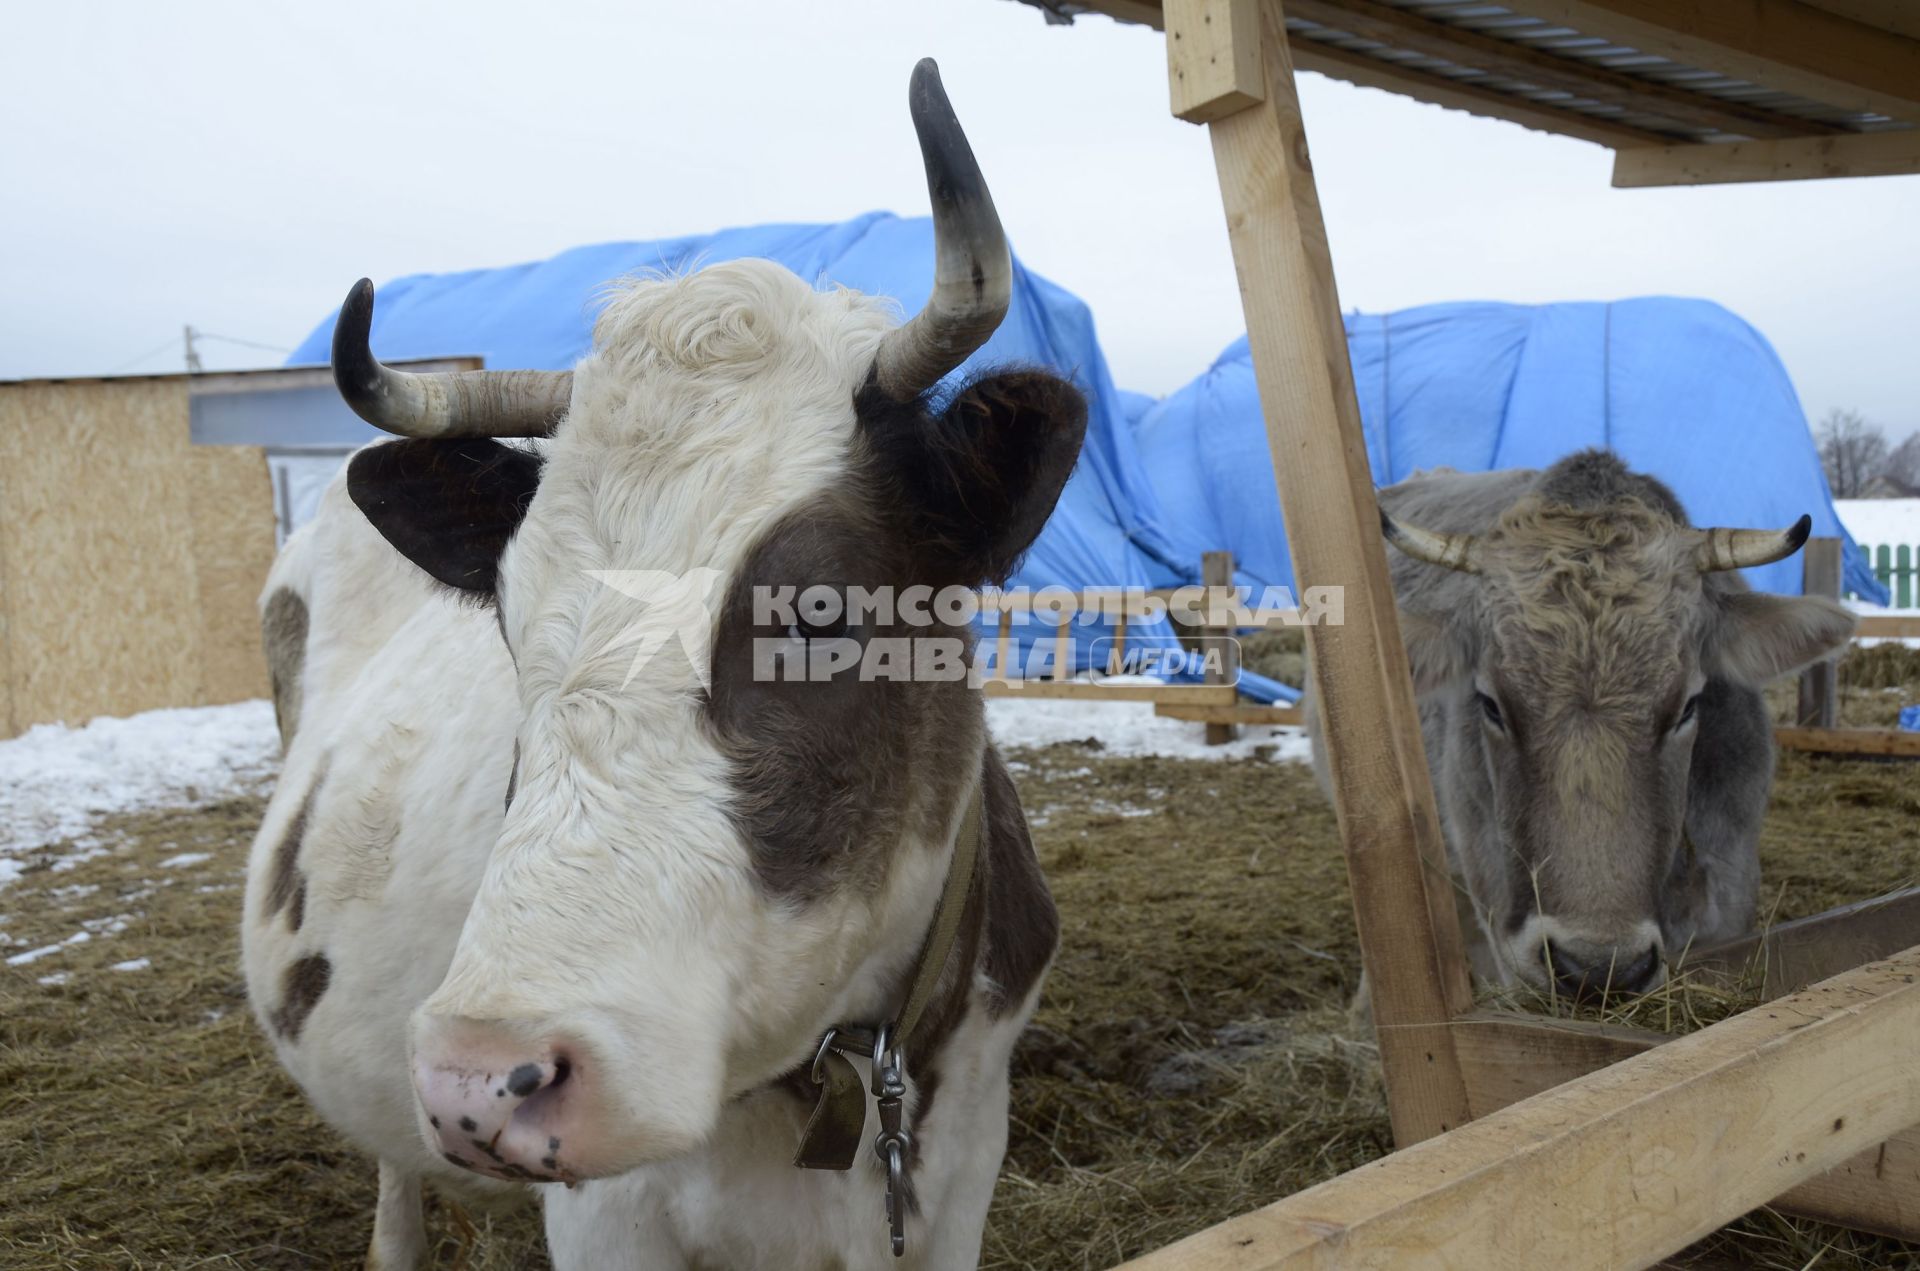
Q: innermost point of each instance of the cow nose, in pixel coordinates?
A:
(1614, 973)
(500, 1109)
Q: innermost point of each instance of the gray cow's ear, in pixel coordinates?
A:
(1755, 636)
(447, 506)
(1437, 650)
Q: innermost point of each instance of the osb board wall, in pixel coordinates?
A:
(129, 559)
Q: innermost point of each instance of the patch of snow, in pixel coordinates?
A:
(1876, 521)
(57, 978)
(1127, 729)
(34, 955)
(184, 859)
(55, 781)
(108, 926)
(131, 964)
(73, 891)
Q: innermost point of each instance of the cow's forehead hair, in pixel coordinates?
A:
(1594, 603)
(711, 405)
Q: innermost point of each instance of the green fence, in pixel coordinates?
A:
(1898, 567)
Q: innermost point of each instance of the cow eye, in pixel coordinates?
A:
(1687, 713)
(804, 632)
(1491, 709)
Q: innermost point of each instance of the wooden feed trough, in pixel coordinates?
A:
(1622, 1147)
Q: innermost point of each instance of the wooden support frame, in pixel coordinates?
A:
(1863, 154)
(1404, 906)
(1644, 1156)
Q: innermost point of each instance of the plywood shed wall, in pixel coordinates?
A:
(130, 559)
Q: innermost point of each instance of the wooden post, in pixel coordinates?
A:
(1820, 683)
(1218, 645)
(1396, 861)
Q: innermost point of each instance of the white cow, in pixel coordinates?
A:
(560, 884)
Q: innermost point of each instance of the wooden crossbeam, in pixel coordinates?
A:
(1190, 695)
(1792, 955)
(1886, 626)
(1885, 743)
(1778, 44)
(1509, 1057)
(1237, 713)
(1866, 154)
(1463, 46)
(1627, 1164)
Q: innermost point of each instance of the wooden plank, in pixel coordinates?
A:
(1819, 695)
(1866, 154)
(1439, 90)
(1463, 46)
(1239, 713)
(1213, 58)
(1792, 955)
(1890, 743)
(1777, 44)
(1884, 626)
(1396, 861)
(1099, 691)
(1624, 1166)
(1510, 1057)
(1216, 573)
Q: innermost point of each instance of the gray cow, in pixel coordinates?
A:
(1588, 672)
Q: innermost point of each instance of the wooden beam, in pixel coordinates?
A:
(1235, 714)
(1791, 955)
(1371, 72)
(1463, 46)
(1886, 626)
(1886, 743)
(1213, 58)
(1624, 1166)
(1778, 44)
(1095, 691)
(1219, 644)
(1819, 688)
(1863, 154)
(1510, 1057)
(1396, 861)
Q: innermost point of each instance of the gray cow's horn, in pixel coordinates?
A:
(1451, 551)
(442, 404)
(973, 272)
(1741, 549)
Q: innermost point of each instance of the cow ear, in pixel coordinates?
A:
(980, 478)
(447, 506)
(1437, 651)
(1755, 636)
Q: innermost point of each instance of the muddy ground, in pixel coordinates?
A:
(1189, 1062)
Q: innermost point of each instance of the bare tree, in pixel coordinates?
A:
(1903, 463)
(1852, 451)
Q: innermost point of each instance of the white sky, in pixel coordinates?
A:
(236, 165)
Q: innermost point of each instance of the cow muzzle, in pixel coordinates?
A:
(1554, 956)
(511, 1104)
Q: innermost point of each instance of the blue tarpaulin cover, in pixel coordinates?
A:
(1682, 389)
(539, 316)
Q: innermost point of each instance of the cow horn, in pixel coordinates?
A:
(973, 272)
(1741, 549)
(1451, 551)
(443, 404)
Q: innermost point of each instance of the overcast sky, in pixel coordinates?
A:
(235, 165)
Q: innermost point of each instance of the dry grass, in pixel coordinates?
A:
(1188, 1063)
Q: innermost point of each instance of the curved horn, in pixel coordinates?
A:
(973, 272)
(1450, 551)
(1739, 549)
(442, 404)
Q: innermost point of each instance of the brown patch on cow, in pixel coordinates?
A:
(286, 885)
(283, 634)
(301, 988)
(1023, 927)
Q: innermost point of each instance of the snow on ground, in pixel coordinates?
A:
(1863, 607)
(1876, 521)
(1129, 728)
(131, 964)
(55, 781)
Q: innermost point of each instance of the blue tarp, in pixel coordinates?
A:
(1682, 389)
(539, 316)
